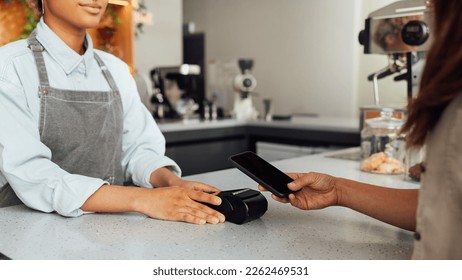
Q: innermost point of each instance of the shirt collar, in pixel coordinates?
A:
(64, 56)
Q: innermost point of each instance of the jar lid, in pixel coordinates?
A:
(386, 120)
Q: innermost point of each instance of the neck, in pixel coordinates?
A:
(74, 38)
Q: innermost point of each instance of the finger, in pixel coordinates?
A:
(205, 188)
(212, 219)
(303, 181)
(204, 197)
(202, 213)
(263, 189)
(293, 199)
(295, 175)
(209, 213)
(296, 202)
(189, 218)
(280, 199)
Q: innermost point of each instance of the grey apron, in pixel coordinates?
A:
(83, 129)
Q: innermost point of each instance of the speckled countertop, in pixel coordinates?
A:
(282, 233)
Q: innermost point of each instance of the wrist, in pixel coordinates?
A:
(164, 177)
(340, 188)
(137, 201)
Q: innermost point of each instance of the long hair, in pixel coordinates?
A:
(441, 80)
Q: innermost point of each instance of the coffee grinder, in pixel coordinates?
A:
(244, 86)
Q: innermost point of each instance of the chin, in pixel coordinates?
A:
(90, 22)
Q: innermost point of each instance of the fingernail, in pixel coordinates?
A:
(215, 220)
(202, 221)
(292, 184)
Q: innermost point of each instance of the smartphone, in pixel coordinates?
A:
(273, 179)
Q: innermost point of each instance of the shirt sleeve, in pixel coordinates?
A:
(143, 142)
(25, 162)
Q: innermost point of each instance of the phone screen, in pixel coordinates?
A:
(263, 173)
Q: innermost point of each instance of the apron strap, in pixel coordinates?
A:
(106, 73)
(37, 50)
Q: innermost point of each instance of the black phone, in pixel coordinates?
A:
(264, 173)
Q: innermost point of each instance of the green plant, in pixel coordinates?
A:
(111, 18)
(111, 14)
(32, 17)
(140, 11)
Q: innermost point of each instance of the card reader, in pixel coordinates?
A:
(241, 205)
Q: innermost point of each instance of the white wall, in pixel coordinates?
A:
(307, 57)
(160, 44)
(306, 52)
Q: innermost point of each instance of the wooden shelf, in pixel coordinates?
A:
(121, 44)
(12, 21)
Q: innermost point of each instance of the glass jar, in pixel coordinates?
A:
(382, 145)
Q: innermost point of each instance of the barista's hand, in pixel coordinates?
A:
(311, 191)
(181, 203)
(197, 186)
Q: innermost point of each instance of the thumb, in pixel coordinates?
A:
(295, 185)
(303, 181)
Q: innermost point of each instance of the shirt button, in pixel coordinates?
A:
(417, 236)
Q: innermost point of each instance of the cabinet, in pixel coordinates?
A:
(206, 146)
(205, 150)
(205, 156)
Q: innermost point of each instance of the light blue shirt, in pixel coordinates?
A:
(25, 162)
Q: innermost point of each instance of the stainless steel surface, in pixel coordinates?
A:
(402, 31)
(389, 21)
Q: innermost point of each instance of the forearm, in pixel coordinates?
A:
(171, 203)
(393, 206)
(111, 198)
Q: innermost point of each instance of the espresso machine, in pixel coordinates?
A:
(176, 94)
(244, 86)
(401, 32)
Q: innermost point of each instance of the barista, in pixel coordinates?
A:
(70, 146)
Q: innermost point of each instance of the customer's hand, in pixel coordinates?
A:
(311, 191)
(182, 203)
